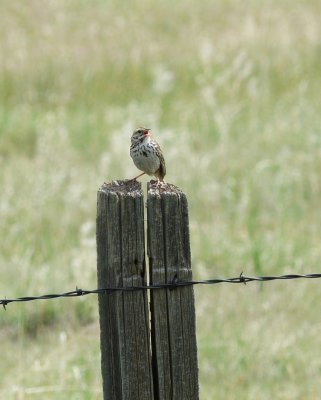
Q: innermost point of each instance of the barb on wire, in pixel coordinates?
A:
(171, 285)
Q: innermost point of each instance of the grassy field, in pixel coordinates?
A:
(232, 92)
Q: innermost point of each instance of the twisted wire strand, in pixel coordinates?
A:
(171, 285)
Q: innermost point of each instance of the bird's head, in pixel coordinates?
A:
(140, 134)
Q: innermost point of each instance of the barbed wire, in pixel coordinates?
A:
(171, 285)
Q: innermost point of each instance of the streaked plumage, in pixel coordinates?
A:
(147, 154)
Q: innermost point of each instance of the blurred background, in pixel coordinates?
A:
(231, 90)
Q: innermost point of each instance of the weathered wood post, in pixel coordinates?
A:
(142, 359)
(173, 337)
(124, 316)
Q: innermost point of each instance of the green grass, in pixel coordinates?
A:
(232, 92)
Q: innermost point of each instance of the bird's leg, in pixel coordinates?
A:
(134, 179)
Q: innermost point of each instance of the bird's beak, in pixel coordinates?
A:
(146, 133)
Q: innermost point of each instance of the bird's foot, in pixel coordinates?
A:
(160, 183)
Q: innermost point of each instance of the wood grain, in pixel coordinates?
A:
(173, 337)
(124, 316)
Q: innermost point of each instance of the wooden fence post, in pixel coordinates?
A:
(124, 316)
(173, 337)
